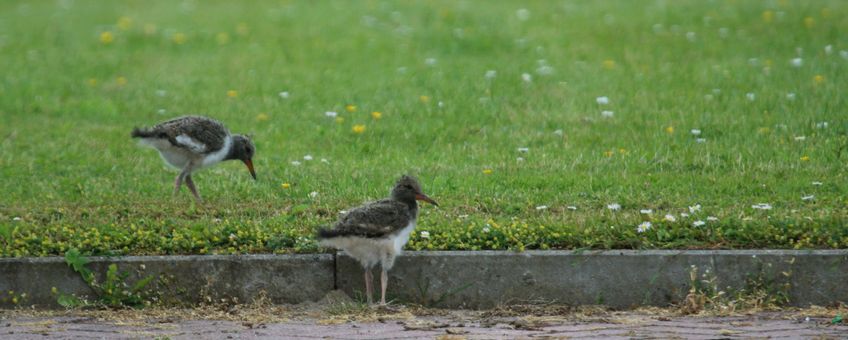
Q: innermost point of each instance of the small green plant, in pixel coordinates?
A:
(113, 292)
(763, 290)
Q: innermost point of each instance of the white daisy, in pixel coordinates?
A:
(646, 211)
(523, 149)
(817, 183)
(526, 77)
(712, 218)
(800, 138)
(821, 125)
(690, 36)
(790, 96)
(558, 132)
(425, 234)
(695, 132)
(307, 157)
(761, 206)
(684, 215)
(16, 218)
(797, 62)
(523, 14)
(491, 74)
(698, 223)
(602, 100)
(670, 218)
(571, 207)
(324, 160)
(828, 49)
(486, 229)
(284, 94)
(643, 227)
(614, 206)
(519, 159)
(545, 70)
(843, 54)
(700, 140)
(331, 114)
(808, 198)
(694, 208)
(313, 194)
(295, 163)
(542, 207)
(607, 114)
(751, 96)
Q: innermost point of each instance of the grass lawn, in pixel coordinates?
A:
(736, 107)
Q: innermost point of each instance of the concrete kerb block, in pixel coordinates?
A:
(620, 279)
(180, 279)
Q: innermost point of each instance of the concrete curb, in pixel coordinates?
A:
(458, 279)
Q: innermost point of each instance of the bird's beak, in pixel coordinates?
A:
(422, 197)
(249, 163)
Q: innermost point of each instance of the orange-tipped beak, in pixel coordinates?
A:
(249, 164)
(422, 197)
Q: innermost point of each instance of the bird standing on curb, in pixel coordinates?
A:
(191, 143)
(376, 232)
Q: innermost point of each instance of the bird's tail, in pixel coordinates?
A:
(142, 133)
(325, 233)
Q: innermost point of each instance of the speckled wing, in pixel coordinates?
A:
(374, 220)
(198, 134)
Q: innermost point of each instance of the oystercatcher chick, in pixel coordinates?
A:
(376, 232)
(191, 143)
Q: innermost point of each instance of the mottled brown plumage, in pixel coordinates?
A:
(191, 143)
(376, 232)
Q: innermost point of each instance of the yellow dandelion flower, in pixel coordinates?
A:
(609, 64)
(232, 93)
(768, 16)
(262, 117)
(350, 108)
(359, 128)
(805, 158)
(106, 37)
(179, 38)
(121, 81)
(763, 130)
(149, 29)
(242, 29)
(91, 82)
(222, 38)
(669, 129)
(487, 171)
(768, 62)
(124, 23)
(622, 151)
(609, 153)
(809, 22)
(818, 79)
(376, 115)
(339, 120)
(285, 185)
(54, 290)
(424, 99)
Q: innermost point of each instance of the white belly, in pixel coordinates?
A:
(371, 251)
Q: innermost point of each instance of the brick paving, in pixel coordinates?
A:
(627, 325)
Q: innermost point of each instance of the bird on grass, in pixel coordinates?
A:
(377, 231)
(191, 143)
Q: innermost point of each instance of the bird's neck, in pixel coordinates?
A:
(231, 153)
(411, 203)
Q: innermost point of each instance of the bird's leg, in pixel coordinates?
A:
(384, 282)
(190, 184)
(368, 279)
(179, 181)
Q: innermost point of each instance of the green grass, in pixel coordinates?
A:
(70, 172)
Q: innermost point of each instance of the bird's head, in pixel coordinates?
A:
(407, 189)
(243, 150)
